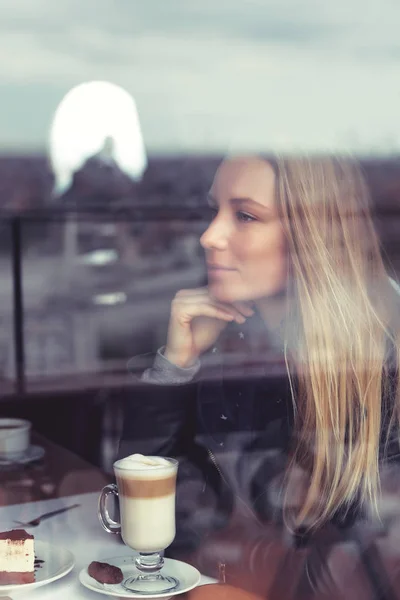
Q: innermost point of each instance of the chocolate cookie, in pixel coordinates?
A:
(105, 573)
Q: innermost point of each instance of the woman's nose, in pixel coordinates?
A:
(215, 236)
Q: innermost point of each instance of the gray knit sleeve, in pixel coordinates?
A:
(164, 372)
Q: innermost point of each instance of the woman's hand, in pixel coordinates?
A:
(195, 323)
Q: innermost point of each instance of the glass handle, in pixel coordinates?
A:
(104, 517)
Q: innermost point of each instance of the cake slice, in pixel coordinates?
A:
(17, 557)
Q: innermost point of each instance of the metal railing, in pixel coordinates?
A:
(121, 211)
(135, 213)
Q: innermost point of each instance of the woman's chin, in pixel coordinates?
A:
(223, 293)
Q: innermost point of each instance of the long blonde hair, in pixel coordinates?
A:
(339, 313)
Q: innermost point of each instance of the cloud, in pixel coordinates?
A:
(300, 23)
(209, 75)
(244, 20)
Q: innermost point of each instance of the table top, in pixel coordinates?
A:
(59, 473)
(62, 479)
(79, 531)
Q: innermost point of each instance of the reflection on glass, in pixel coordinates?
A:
(96, 120)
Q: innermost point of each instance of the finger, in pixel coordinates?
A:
(204, 309)
(186, 301)
(192, 292)
(239, 317)
(244, 308)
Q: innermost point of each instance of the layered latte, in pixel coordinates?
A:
(146, 489)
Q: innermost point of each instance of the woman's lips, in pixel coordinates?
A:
(217, 271)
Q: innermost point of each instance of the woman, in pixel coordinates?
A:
(291, 252)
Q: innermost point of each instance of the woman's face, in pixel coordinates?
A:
(244, 243)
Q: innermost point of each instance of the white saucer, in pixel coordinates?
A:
(188, 576)
(57, 563)
(33, 453)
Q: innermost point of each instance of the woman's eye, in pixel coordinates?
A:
(244, 217)
(212, 212)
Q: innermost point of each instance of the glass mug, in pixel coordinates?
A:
(146, 497)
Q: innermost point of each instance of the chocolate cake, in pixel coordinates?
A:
(105, 573)
(17, 557)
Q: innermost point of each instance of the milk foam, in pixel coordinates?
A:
(137, 466)
(138, 462)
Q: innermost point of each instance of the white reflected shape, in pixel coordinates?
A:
(100, 257)
(96, 118)
(110, 299)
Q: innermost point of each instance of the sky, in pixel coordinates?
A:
(210, 75)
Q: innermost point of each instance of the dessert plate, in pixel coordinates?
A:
(188, 576)
(57, 562)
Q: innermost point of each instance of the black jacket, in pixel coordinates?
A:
(231, 431)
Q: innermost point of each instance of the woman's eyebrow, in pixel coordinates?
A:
(251, 202)
(240, 200)
(237, 201)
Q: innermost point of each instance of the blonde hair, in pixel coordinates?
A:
(339, 316)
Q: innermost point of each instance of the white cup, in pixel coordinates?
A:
(14, 437)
